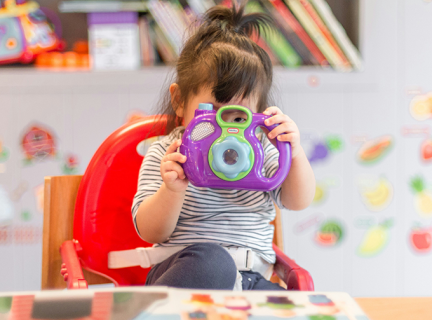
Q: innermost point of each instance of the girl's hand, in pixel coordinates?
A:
(171, 171)
(286, 130)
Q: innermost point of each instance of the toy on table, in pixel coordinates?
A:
(25, 32)
(228, 155)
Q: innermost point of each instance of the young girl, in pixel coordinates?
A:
(212, 238)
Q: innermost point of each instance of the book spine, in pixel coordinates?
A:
(316, 18)
(338, 32)
(276, 41)
(188, 14)
(298, 29)
(147, 56)
(166, 25)
(313, 31)
(201, 6)
(290, 35)
(174, 16)
(167, 53)
(154, 39)
(260, 42)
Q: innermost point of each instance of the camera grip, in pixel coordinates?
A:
(284, 149)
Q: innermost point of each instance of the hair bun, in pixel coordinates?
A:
(234, 19)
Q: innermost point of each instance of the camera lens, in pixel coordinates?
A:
(230, 156)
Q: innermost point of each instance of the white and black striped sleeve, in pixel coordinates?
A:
(271, 164)
(150, 179)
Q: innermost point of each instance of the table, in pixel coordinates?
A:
(162, 303)
(396, 308)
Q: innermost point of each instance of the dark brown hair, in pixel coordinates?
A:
(221, 55)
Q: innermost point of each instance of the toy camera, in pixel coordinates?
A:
(228, 155)
(24, 32)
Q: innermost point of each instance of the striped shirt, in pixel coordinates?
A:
(231, 218)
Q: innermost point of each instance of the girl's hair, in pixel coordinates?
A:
(221, 55)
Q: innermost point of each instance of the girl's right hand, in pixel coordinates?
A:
(171, 171)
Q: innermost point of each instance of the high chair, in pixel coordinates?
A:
(86, 217)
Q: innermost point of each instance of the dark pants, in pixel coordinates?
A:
(205, 266)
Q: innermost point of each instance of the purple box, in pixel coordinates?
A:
(112, 17)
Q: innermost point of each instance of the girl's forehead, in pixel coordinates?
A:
(206, 93)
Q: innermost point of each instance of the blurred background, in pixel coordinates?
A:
(353, 74)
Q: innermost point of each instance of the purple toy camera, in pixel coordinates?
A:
(228, 155)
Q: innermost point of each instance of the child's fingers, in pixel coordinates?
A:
(288, 137)
(173, 147)
(170, 177)
(279, 118)
(176, 156)
(282, 128)
(272, 110)
(173, 166)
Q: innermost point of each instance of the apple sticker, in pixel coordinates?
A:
(426, 150)
(421, 239)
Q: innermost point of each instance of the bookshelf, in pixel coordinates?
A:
(101, 6)
(345, 12)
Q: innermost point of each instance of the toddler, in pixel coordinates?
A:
(213, 238)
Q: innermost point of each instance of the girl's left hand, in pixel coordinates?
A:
(286, 130)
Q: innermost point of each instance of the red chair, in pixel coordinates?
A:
(102, 220)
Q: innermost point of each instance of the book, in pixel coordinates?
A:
(154, 39)
(201, 6)
(114, 44)
(338, 32)
(317, 19)
(160, 11)
(315, 33)
(163, 46)
(175, 13)
(260, 41)
(290, 35)
(189, 14)
(147, 45)
(295, 26)
(277, 42)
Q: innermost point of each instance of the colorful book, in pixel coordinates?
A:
(189, 14)
(338, 32)
(315, 33)
(163, 46)
(147, 45)
(317, 19)
(277, 42)
(176, 14)
(260, 41)
(154, 39)
(201, 6)
(295, 26)
(164, 19)
(290, 35)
